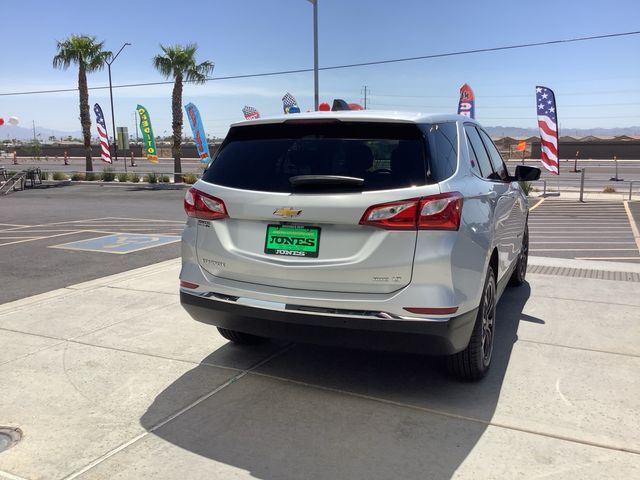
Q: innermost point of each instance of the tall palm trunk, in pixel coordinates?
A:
(85, 118)
(176, 106)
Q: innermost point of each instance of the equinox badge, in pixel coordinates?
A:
(287, 212)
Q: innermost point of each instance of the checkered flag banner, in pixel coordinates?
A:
(250, 113)
(289, 104)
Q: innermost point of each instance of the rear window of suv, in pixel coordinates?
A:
(384, 155)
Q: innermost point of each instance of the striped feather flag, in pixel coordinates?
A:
(548, 124)
(102, 133)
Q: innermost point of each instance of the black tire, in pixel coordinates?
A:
(474, 361)
(520, 272)
(239, 337)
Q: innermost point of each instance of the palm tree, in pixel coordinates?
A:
(90, 56)
(179, 62)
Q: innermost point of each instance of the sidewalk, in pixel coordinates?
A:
(111, 379)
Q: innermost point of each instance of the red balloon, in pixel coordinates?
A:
(324, 107)
(1, 121)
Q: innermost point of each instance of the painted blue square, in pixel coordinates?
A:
(120, 243)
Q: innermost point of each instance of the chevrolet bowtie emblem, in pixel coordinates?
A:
(287, 212)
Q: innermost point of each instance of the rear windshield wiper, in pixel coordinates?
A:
(313, 180)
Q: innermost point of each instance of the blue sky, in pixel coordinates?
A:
(249, 36)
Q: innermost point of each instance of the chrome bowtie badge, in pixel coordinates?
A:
(287, 212)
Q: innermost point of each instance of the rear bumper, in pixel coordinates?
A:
(442, 336)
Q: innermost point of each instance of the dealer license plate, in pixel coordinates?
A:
(292, 240)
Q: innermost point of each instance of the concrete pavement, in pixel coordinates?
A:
(111, 379)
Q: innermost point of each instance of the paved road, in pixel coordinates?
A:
(594, 230)
(598, 172)
(598, 175)
(36, 219)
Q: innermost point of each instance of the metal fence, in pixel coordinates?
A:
(582, 184)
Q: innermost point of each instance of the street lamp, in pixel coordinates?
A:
(113, 121)
(316, 96)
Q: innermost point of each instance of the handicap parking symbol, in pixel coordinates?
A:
(120, 243)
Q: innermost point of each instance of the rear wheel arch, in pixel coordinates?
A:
(493, 261)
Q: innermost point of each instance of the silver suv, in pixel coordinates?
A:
(382, 230)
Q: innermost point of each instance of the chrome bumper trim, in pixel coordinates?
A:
(310, 310)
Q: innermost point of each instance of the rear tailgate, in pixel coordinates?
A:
(278, 235)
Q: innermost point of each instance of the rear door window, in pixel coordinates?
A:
(442, 139)
(264, 157)
(494, 155)
(479, 152)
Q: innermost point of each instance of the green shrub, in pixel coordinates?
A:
(77, 177)
(151, 178)
(189, 178)
(123, 177)
(44, 176)
(165, 179)
(609, 189)
(135, 178)
(526, 187)
(90, 177)
(108, 175)
(59, 176)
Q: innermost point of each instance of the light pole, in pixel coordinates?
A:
(113, 121)
(316, 95)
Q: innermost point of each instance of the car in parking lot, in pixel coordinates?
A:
(387, 230)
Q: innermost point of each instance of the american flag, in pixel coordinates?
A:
(102, 133)
(250, 113)
(288, 101)
(548, 123)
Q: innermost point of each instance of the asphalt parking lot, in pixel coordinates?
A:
(593, 230)
(35, 221)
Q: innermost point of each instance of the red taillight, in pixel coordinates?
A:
(436, 212)
(393, 215)
(198, 204)
(440, 212)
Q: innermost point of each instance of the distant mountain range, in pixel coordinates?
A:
(516, 132)
(25, 133)
(42, 133)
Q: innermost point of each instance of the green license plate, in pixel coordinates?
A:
(292, 240)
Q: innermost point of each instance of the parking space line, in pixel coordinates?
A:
(607, 258)
(536, 205)
(579, 243)
(584, 249)
(632, 223)
(33, 239)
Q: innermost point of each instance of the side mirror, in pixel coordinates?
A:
(527, 174)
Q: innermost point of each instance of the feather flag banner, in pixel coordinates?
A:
(148, 140)
(466, 105)
(250, 113)
(102, 134)
(548, 124)
(289, 104)
(197, 128)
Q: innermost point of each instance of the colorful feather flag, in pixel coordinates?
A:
(250, 113)
(466, 105)
(197, 128)
(548, 124)
(102, 134)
